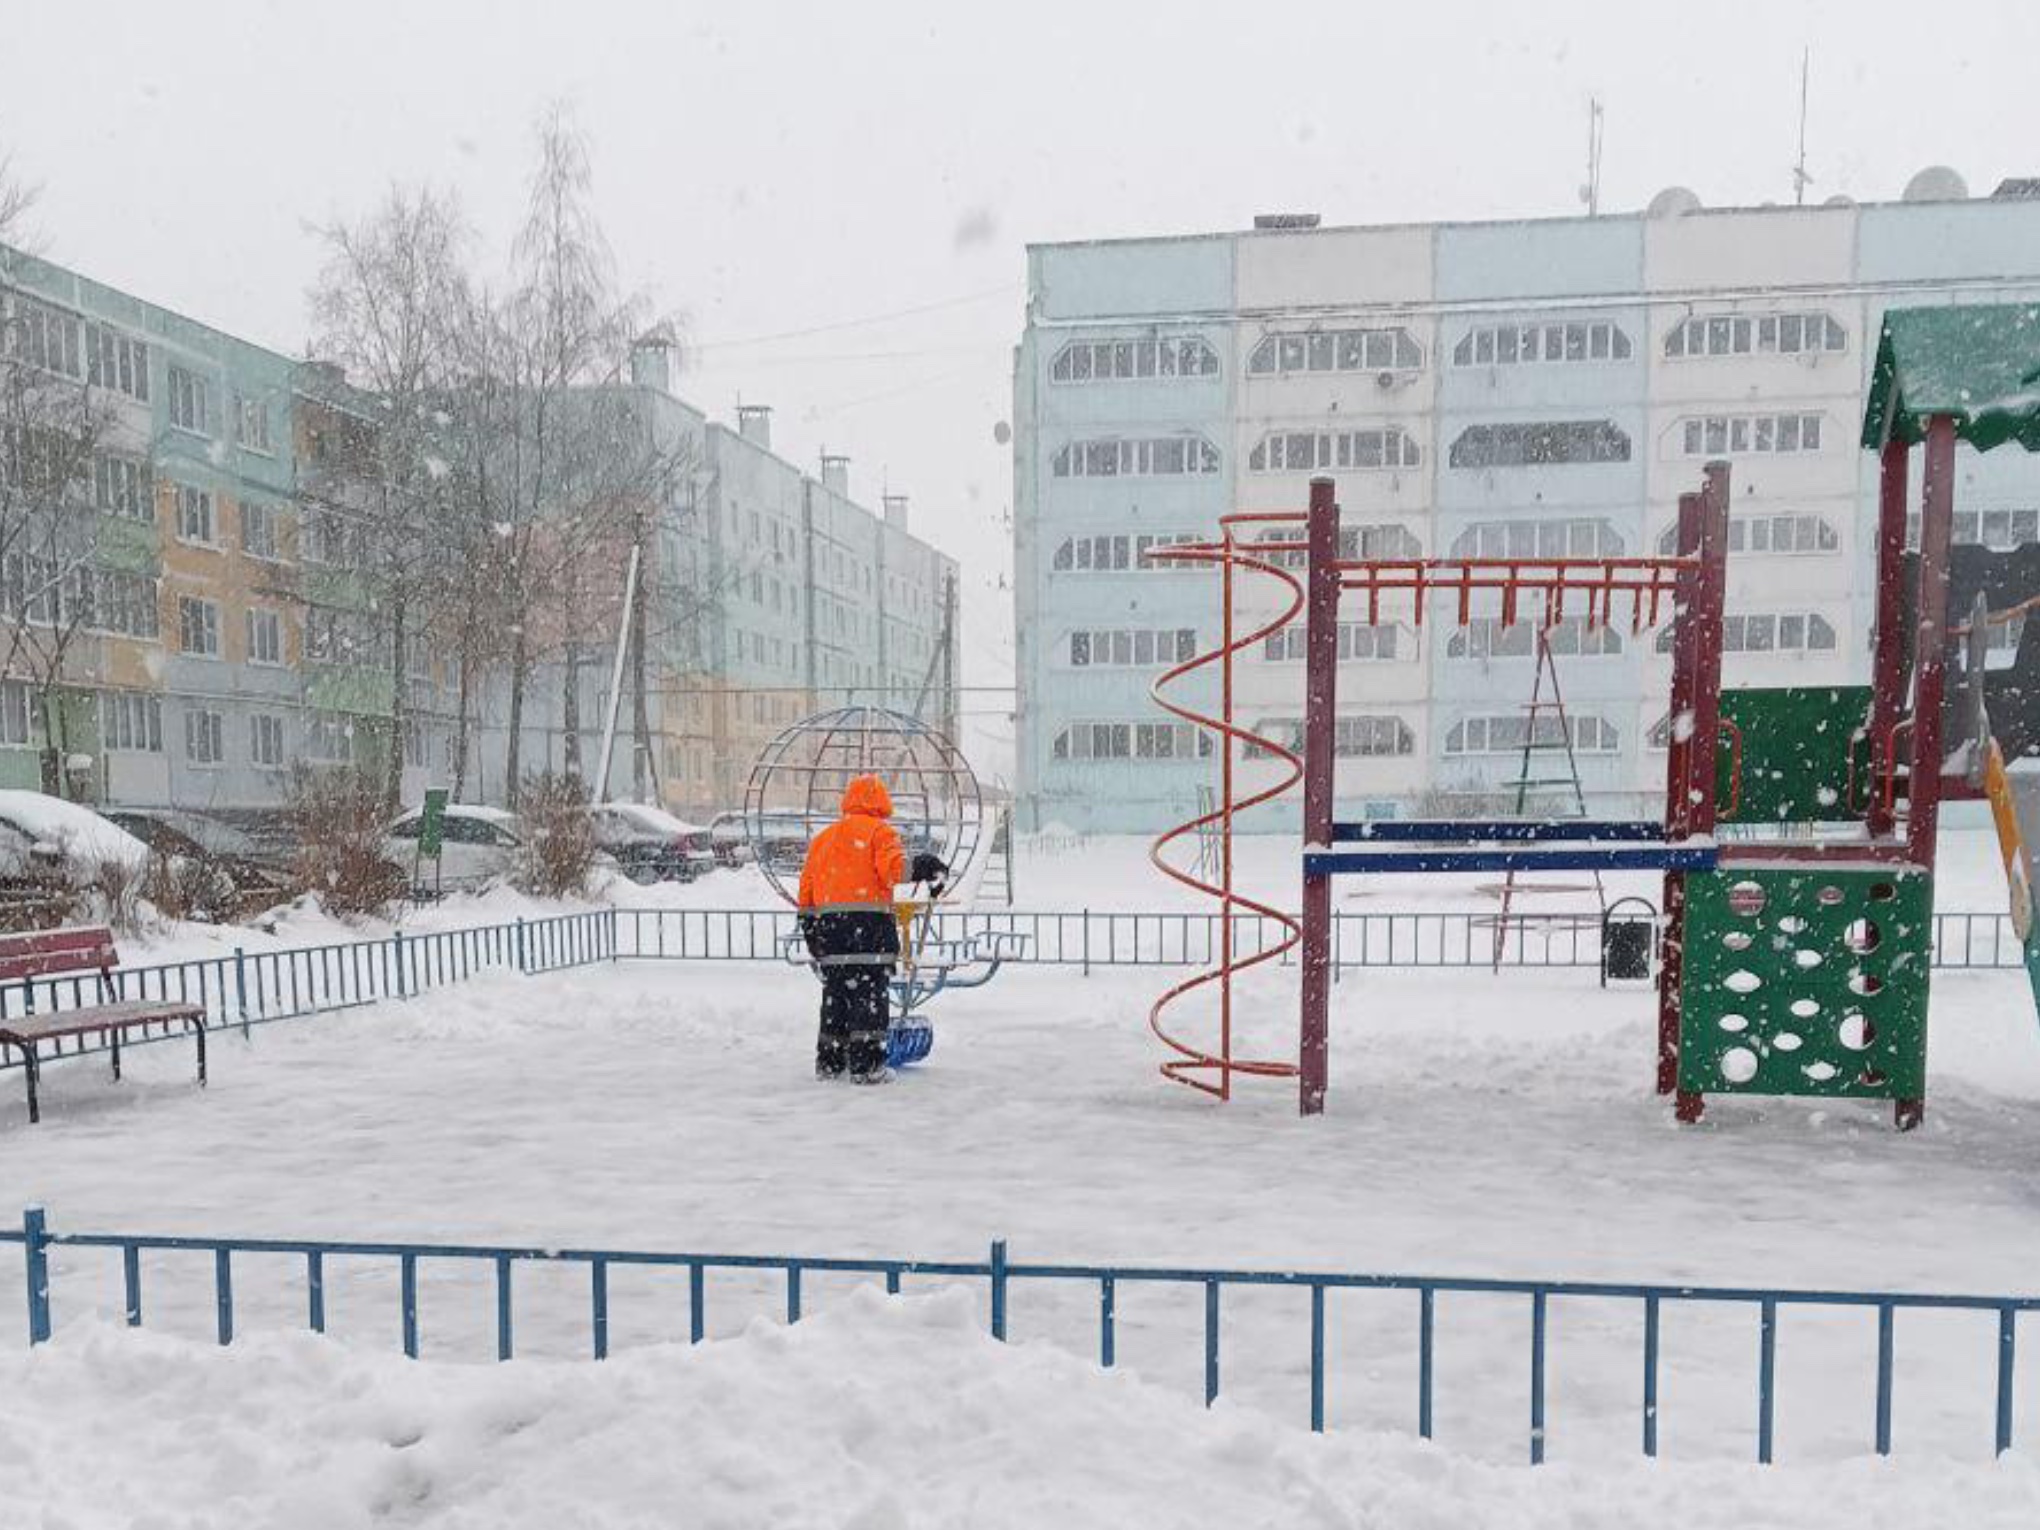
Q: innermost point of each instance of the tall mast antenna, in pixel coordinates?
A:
(1590, 190)
(1800, 179)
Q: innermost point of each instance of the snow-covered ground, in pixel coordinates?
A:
(1478, 1126)
(879, 1415)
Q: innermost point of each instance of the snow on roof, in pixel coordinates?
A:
(651, 817)
(82, 833)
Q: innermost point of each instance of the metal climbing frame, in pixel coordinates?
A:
(1203, 1068)
(1686, 587)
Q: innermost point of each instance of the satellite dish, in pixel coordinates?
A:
(1673, 202)
(1936, 183)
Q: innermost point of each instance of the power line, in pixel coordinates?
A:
(869, 319)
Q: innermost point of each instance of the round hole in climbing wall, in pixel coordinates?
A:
(1805, 959)
(1792, 924)
(1865, 983)
(1787, 1041)
(1742, 980)
(1856, 1032)
(1862, 936)
(1738, 940)
(1747, 899)
(1829, 896)
(1883, 892)
(1738, 1065)
(1734, 1024)
(1806, 1009)
(1820, 1072)
(1871, 1078)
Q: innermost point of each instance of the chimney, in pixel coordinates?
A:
(836, 474)
(754, 424)
(896, 511)
(651, 361)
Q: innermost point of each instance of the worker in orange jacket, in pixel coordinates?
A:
(846, 918)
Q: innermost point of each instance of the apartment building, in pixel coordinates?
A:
(1534, 388)
(226, 622)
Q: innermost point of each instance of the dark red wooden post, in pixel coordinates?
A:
(1887, 665)
(1678, 804)
(1930, 642)
(1710, 596)
(1320, 713)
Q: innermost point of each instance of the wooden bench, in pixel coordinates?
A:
(45, 953)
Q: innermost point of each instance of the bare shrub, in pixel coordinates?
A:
(190, 888)
(114, 893)
(558, 855)
(337, 817)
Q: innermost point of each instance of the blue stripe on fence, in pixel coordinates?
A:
(1000, 1271)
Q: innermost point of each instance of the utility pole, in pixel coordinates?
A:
(1590, 189)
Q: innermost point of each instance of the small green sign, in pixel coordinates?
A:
(432, 823)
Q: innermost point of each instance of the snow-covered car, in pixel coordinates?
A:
(649, 844)
(40, 834)
(249, 874)
(478, 845)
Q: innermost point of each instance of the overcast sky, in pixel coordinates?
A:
(818, 171)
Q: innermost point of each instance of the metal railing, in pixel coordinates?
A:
(1000, 1273)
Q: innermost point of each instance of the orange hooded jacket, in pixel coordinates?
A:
(855, 862)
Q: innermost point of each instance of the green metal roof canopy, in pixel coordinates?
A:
(1979, 364)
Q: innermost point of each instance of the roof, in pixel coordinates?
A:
(1979, 363)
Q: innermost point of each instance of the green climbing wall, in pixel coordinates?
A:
(1810, 980)
(1799, 744)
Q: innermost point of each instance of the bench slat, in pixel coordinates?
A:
(37, 953)
(74, 1022)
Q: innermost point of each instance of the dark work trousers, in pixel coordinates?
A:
(856, 1005)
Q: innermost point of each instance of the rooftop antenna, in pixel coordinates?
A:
(1590, 191)
(1800, 179)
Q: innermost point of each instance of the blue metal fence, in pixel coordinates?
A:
(1001, 1272)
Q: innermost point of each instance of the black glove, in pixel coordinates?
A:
(810, 927)
(930, 868)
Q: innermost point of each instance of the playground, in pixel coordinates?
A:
(1791, 1167)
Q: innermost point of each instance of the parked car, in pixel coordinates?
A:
(478, 845)
(649, 844)
(727, 838)
(249, 875)
(47, 847)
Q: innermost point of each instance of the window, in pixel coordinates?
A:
(130, 722)
(1084, 361)
(1307, 451)
(120, 486)
(1717, 435)
(1370, 539)
(1791, 533)
(1512, 345)
(1511, 733)
(329, 739)
(1357, 642)
(194, 515)
(1776, 334)
(251, 423)
(1540, 444)
(1339, 350)
(1538, 539)
(126, 604)
(1485, 637)
(198, 627)
(2002, 530)
(15, 714)
(1132, 741)
(44, 337)
(114, 360)
(265, 636)
(1354, 737)
(334, 540)
(190, 401)
(1153, 457)
(203, 737)
(258, 529)
(41, 461)
(265, 739)
(1119, 554)
(1123, 648)
(1769, 632)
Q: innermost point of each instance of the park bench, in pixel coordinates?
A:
(45, 953)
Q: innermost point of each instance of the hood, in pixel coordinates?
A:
(867, 795)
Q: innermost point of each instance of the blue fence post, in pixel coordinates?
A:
(505, 1344)
(1767, 1375)
(1107, 1339)
(223, 1292)
(241, 987)
(2008, 1334)
(1650, 1375)
(615, 941)
(131, 1284)
(1087, 942)
(397, 961)
(598, 1305)
(999, 1289)
(1317, 1359)
(35, 1243)
(522, 965)
(1210, 1342)
(1538, 1316)
(407, 1281)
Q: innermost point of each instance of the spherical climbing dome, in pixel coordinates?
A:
(796, 789)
